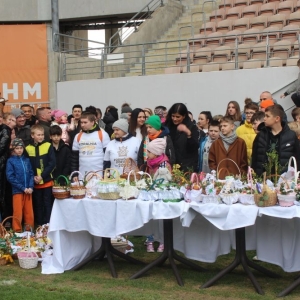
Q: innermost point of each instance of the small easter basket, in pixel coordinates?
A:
(192, 192)
(267, 197)
(130, 165)
(108, 188)
(129, 190)
(228, 196)
(77, 189)
(28, 259)
(246, 198)
(92, 179)
(61, 192)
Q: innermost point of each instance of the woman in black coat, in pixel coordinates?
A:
(184, 135)
(5, 133)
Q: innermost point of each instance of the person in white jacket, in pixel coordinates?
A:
(123, 146)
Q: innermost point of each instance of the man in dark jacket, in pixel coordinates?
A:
(110, 117)
(275, 135)
(74, 121)
(43, 114)
(22, 131)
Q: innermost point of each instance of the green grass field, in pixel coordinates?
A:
(94, 281)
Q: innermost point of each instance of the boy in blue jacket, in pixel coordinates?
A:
(20, 175)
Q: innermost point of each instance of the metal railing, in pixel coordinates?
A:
(139, 59)
(123, 33)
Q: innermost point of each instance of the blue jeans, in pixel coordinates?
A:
(42, 205)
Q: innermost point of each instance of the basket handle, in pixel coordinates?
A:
(128, 177)
(229, 160)
(292, 158)
(75, 172)
(111, 169)
(249, 177)
(91, 174)
(65, 178)
(11, 217)
(193, 177)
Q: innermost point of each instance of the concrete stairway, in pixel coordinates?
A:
(164, 53)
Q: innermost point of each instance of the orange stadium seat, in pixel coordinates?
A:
(225, 3)
(259, 52)
(196, 42)
(296, 48)
(218, 15)
(202, 55)
(208, 28)
(294, 18)
(285, 7)
(241, 24)
(252, 64)
(224, 26)
(257, 2)
(214, 40)
(259, 22)
(278, 20)
(241, 3)
(272, 33)
(222, 54)
(230, 65)
(211, 67)
(250, 11)
(290, 32)
(282, 49)
(268, 9)
(234, 13)
(231, 37)
(251, 36)
(297, 6)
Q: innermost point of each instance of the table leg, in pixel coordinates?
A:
(241, 258)
(289, 288)
(108, 250)
(170, 254)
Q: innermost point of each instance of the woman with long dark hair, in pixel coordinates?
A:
(137, 125)
(184, 135)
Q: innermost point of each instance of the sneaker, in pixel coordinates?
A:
(160, 248)
(150, 247)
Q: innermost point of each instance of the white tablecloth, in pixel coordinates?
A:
(201, 231)
(278, 236)
(77, 225)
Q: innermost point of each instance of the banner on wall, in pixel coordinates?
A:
(24, 65)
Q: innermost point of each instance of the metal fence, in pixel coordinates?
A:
(149, 58)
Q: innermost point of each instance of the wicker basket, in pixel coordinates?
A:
(114, 194)
(130, 165)
(220, 170)
(61, 192)
(3, 231)
(92, 180)
(267, 196)
(28, 260)
(77, 191)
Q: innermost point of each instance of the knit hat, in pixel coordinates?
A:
(157, 146)
(58, 113)
(154, 121)
(124, 116)
(121, 124)
(17, 112)
(17, 142)
(126, 109)
(266, 103)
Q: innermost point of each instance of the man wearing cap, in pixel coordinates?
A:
(264, 104)
(22, 131)
(123, 146)
(43, 115)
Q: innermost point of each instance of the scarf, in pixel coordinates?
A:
(155, 163)
(228, 140)
(154, 136)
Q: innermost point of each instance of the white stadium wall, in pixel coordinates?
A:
(199, 91)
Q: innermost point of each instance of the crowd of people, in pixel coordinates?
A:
(37, 147)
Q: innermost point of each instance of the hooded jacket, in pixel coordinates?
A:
(170, 152)
(288, 145)
(247, 133)
(109, 119)
(42, 159)
(19, 173)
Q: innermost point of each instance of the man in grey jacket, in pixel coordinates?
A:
(294, 88)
